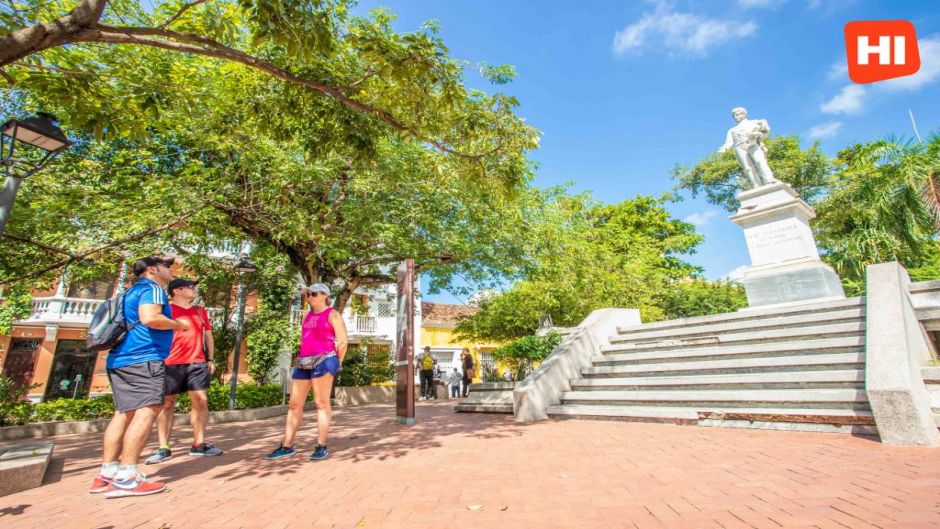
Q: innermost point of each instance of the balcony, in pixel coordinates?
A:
(60, 309)
(354, 324)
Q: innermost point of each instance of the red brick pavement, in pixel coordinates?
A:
(567, 474)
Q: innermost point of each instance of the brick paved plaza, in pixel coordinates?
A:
(568, 474)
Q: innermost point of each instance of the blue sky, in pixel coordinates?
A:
(624, 91)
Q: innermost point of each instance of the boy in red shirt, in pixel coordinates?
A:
(188, 368)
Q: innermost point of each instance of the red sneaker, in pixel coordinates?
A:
(100, 484)
(137, 485)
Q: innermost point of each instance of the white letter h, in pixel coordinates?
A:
(883, 50)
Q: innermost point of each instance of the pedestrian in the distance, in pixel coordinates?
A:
(454, 379)
(468, 370)
(426, 363)
(323, 343)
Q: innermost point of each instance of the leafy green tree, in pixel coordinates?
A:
(585, 256)
(217, 151)
(875, 209)
(521, 354)
(718, 175)
(699, 297)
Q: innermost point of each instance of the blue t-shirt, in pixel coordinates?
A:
(142, 343)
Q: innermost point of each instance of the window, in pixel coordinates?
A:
(384, 310)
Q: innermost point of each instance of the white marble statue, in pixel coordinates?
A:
(747, 139)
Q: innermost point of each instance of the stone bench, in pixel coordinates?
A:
(23, 466)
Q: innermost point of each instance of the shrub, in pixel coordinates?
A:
(521, 354)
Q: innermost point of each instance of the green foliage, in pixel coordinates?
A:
(364, 366)
(235, 154)
(582, 256)
(719, 177)
(699, 297)
(16, 305)
(247, 396)
(520, 355)
(13, 409)
(875, 211)
(875, 202)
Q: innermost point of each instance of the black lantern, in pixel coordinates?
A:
(245, 267)
(38, 132)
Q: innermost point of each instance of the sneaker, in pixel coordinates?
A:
(100, 484)
(136, 485)
(422, 397)
(159, 455)
(320, 452)
(281, 451)
(205, 449)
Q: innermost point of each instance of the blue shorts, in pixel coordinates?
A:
(329, 366)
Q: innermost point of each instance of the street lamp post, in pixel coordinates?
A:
(39, 132)
(244, 268)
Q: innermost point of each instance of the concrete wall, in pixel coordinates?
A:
(544, 386)
(896, 350)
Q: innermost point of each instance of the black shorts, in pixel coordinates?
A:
(181, 378)
(137, 386)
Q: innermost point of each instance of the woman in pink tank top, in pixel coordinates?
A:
(323, 344)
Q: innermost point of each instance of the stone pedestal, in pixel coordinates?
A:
(785, 266)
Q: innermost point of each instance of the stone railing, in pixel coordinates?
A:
(57, 309)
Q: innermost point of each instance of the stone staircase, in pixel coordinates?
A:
(800, 368)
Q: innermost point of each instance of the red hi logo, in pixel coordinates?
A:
(881, 49)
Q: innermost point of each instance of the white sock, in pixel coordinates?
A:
(125, 472)
(108, 470)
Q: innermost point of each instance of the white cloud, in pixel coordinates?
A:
(824, 130)
(701, 219)
(839, 71)
(929, 68)
(760, 3)
(848, 101)
(685, 33)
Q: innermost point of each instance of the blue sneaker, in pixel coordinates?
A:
(159, 455)
(281, 451)
(320, 452)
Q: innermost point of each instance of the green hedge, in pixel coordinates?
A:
(247, 396)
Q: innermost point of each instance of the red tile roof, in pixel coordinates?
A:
(443, 314)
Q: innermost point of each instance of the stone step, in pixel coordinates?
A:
(749, 315)
(726, 398)
(848, 344)
(841, 378)
(819, 362)
(931, 374)
(752, 337)
(847, 315)
(483, 408)
(819, 420)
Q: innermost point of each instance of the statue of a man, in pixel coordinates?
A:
(747, 139)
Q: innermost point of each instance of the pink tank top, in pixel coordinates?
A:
(317, 336)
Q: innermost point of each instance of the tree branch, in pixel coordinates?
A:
(78, 257)
(179, 13)
(37, 244)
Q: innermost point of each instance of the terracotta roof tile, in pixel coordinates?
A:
(443, 314)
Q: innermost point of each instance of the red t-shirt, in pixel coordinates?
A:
(187, 345)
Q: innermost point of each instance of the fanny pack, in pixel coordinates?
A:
(311, 362)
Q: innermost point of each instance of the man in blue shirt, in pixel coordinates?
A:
(135, 370)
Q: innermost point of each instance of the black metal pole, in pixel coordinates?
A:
(239, 331)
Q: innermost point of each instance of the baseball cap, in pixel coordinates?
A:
(179, 283)
(142, 264)
(319, 287)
